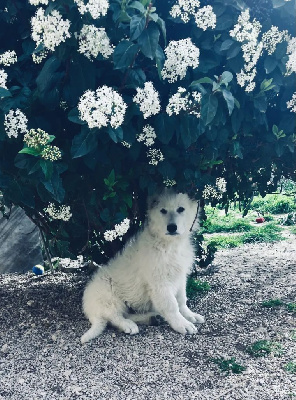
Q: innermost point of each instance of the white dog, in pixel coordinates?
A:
(149, 275)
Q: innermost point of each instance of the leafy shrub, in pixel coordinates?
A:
(291, 367)
(262, 348)
(273, 204)
(115, 100)
(267, 233)
(195, 286)
(272, 303)
(229, 365)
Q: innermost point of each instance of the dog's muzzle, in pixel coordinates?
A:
(172, 229)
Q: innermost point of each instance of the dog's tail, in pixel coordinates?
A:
(96, 329)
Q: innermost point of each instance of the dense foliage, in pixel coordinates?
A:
(105, 102)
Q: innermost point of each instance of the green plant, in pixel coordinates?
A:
(272, 303)
(289, 220)
(225, 242)
(291, 367)
(273, 204)
(195, 286)
(229, 365)
(134, 96)
(262, 348)
(267, 233)
(291, 307)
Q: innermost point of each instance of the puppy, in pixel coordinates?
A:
(149, 275)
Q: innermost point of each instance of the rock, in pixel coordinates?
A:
(19, 243)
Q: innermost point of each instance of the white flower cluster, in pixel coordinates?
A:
(38, 57)
(148, 100)
(292, 103)
(37, 2)
(119, 230)
(180, 54)
(15, 122)
(3, 79)
(211, 192)
(8, 58)
(185, 9)
(51, 29)
(169, 182)
(248, 32)
(272, 37)
(94, 41)
(291, 51)
(68, 263)
(36, 138)
(63, 212)
(126, 144)
(147, 136)
(96, 8)
(51, 153)
(155, 156)
(205, 18)
(102, 107)
(184, 101)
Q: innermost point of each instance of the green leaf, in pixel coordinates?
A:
(73, 116)
(4, 93)
(137, 25)
(47, 168)
(260, 103)
(160, 59)
(84, 143)
(165, 127)
(206, 79)
(162, 26)
(226, 77)
(31, 151)
(226, 44)
(229, 100)
(148, 40)
(137, 6)
(54, 185)
(209, 106)
(266, 84)
(124, 54)
(270, 64)
(115, 134)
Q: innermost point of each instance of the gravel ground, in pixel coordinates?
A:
(41, 323)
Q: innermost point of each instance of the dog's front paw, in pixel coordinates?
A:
(192, 317)
(184, 327)
(130, 327)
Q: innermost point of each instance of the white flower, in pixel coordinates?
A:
(291, 51)
(126, 144)
(119, 230)
(8, 58)
(15, 122)
(36, 138)
(63, 212)
(102, 107)
(51, 29)
(272, 37)
(185, 9)
(210, 192)
(38, 57)
(51, 153)
(37, 2)
(148, 100)
(247, 32)
(3, 79)
(205, 18)
(147, 136)
(169, 182)
(292, 103)
(180, 55)
(221, 185)
(155, 156)
(96, 8)
(94, 41)
(183, 101)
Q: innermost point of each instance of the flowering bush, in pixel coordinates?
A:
(104, 102)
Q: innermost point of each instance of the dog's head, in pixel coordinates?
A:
(171, 214)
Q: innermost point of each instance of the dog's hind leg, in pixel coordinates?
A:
(148, 318)
(124, 324)
(96, 329)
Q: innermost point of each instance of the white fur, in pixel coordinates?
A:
(149, 275)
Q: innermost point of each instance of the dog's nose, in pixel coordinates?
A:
(172, 228)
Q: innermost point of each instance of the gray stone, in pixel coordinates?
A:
(19, 243)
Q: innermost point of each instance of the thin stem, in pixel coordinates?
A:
(46, 250)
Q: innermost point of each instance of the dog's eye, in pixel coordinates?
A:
(163, 211)
(180, 209)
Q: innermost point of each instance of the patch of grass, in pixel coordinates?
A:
(291, 307)
(229, 365)
(262, 348)
(272, 303)
(266, 233)
(273, 204)
(291, 367)
(195, 286)
(225, 242)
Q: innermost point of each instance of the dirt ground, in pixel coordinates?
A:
(41, 323)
